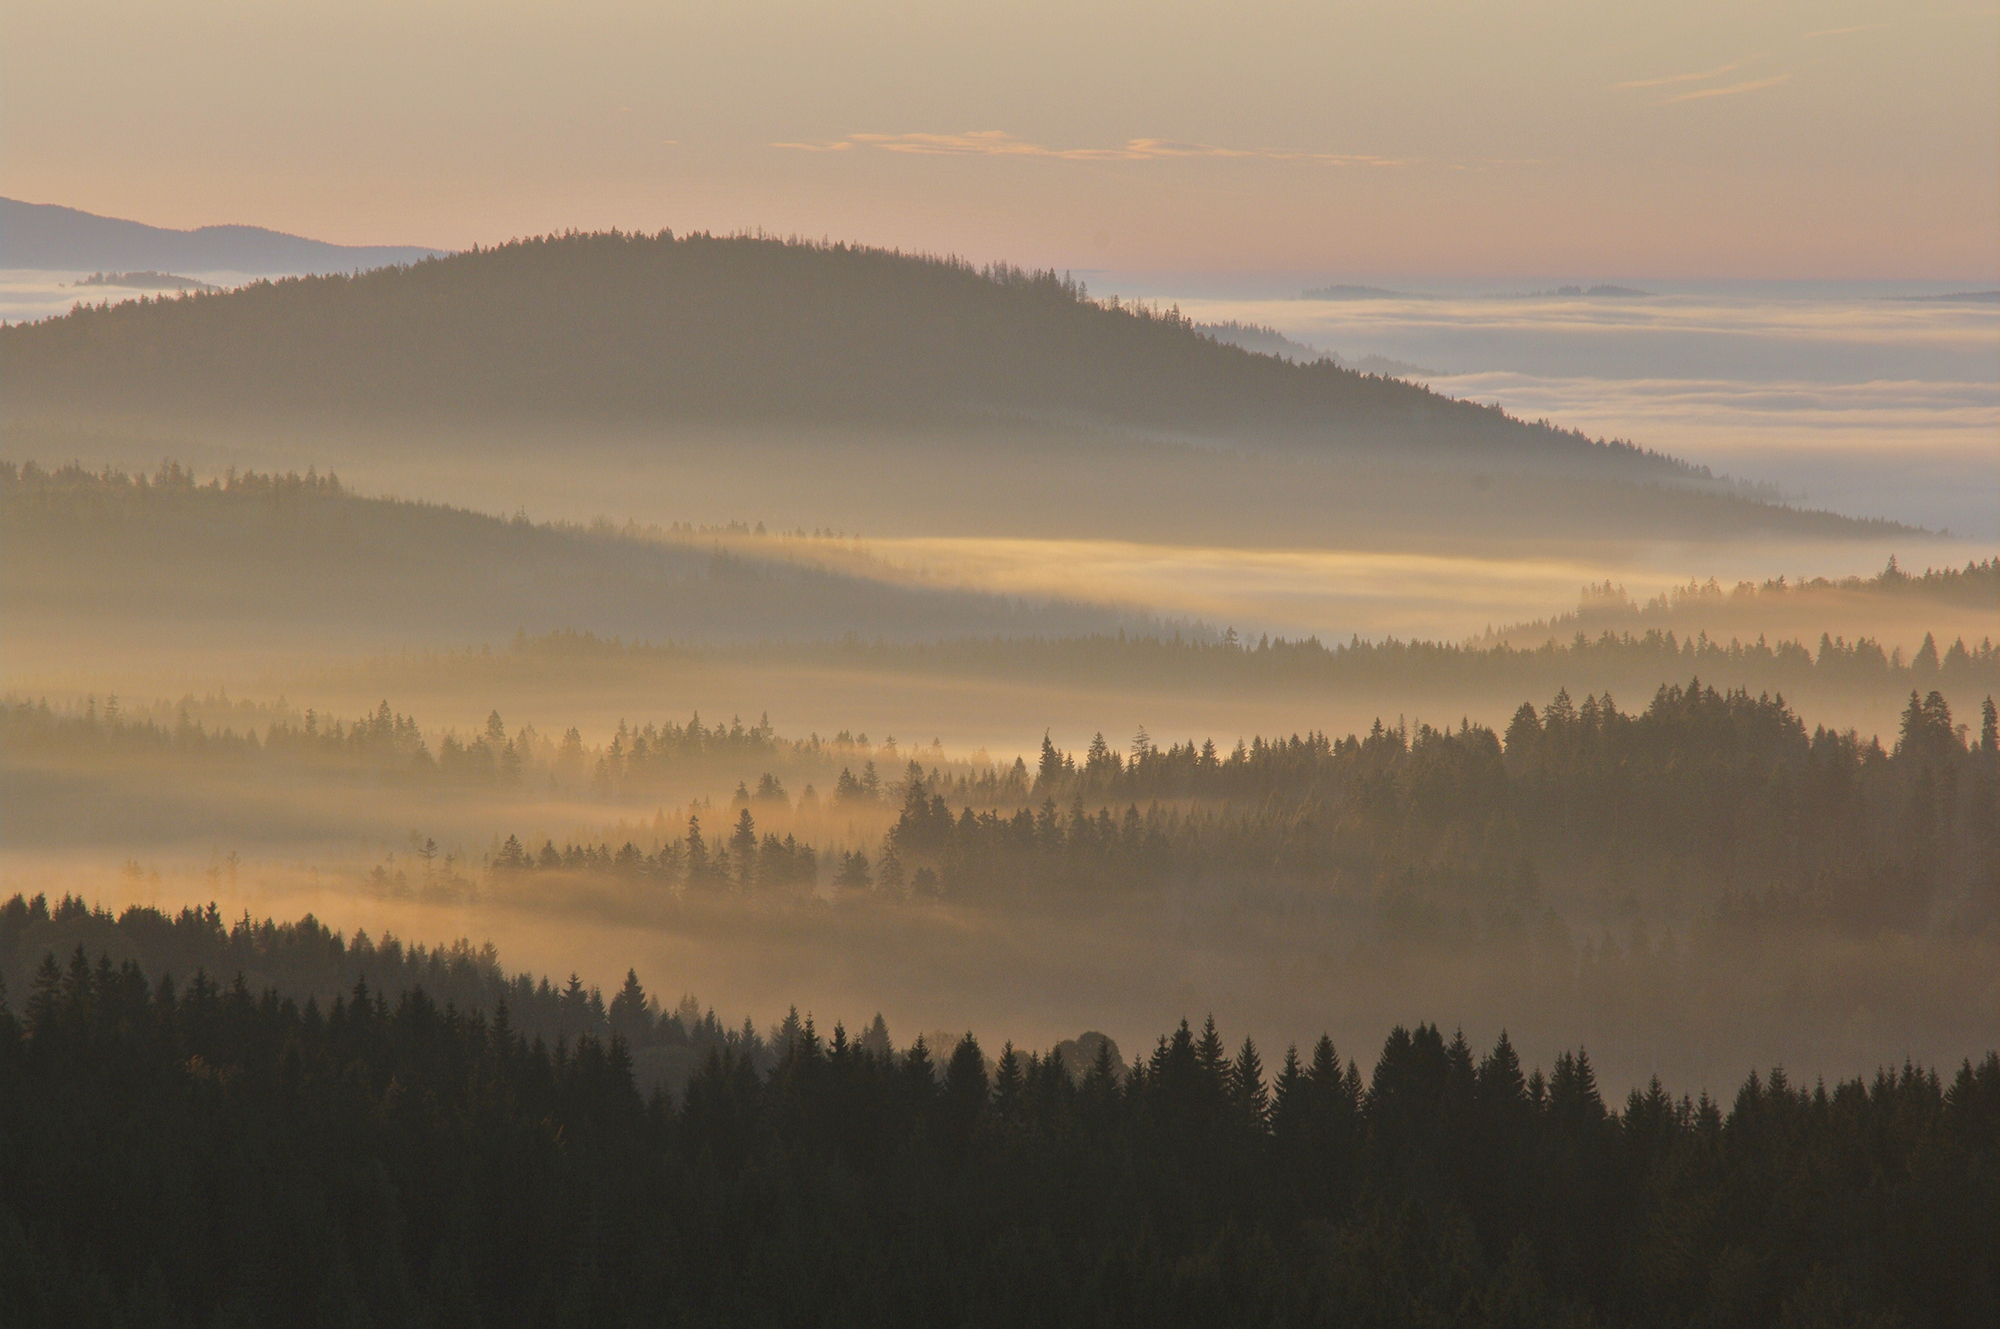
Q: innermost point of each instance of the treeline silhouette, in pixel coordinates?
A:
(304, 960)
(1704, 795)
(387, 748)
(221, 732)
(1607, 608)
(1721, 793)
(194, 1152)
(382, 746)
(619, 327)
(1832, 667)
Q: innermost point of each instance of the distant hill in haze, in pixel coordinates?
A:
(1346, 292)
(1264, 340)
(1601, 291)
(144, 281)
(1382, 364)
(632, 329)
(57, 239)
(264, 560)
(1953, 297)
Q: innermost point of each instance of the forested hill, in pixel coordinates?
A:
(250, 556)
(633, 328)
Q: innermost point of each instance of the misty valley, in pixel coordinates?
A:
(706, 779)
(1630, 881)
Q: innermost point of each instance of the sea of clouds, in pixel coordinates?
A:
(1858, 398)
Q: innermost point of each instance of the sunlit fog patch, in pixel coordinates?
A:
(1310, 590)
(1332, 593)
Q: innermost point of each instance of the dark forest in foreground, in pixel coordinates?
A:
(198, 1155)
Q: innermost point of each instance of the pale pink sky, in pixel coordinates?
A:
(1825, 140)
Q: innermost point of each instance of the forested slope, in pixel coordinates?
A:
(624, 328)
(257, 557)
(185, 1152)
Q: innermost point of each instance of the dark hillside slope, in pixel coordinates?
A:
(614, 328)
(260, 558)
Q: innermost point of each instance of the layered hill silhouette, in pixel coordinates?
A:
(248, 559)
(51, 238)
(619, 328)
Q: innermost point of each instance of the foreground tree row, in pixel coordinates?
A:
(200, 1155)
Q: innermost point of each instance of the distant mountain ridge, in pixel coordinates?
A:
(637, 329)
(1601, 291)
(144, 281)
(57, 239)
(1953, 297)
(1349, 292)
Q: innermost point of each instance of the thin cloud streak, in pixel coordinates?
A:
(1730, 91)
(1842, 32)
(1675, 78)
(1000, 143)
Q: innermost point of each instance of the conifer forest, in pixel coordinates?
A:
(965, 667)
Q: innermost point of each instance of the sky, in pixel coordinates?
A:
(1806, 141)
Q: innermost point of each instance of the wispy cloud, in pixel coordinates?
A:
(1676, 78)
(1730, 91)
(1000, 143)
(1842, 32)
(1494, 163)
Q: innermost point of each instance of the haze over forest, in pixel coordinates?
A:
(1308, 704)
(248, 603)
